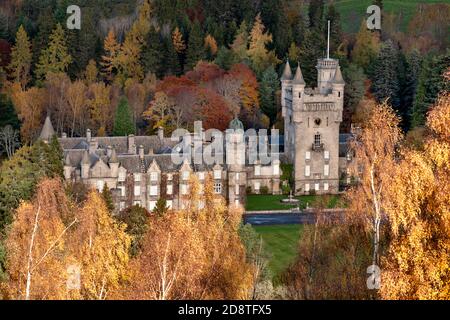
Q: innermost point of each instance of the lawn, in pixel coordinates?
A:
(273, 202)
(281, 243)
(352, 11)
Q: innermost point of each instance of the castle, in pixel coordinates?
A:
(139, 169)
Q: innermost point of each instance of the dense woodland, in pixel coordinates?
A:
(139, 65)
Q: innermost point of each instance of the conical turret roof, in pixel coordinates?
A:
(287, 73)
(298, 79)
(47, 130)
(338, 76)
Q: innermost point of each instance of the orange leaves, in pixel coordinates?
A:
(177, 40)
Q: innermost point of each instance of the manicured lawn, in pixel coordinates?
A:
(281, 243)
(273, 202)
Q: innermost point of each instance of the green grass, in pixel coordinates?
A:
(353, 11)
(273, 202)
(280, 241)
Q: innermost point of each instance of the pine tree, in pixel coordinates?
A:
(431, 83)
(385, 81)
(55, 58)
(315, 14)
(225, 58)
(312, 47)
(8, 112)
(335, 28)
(195, 51)
(21, 57)
(171, 62)
(413, 67)
(268, 88)
(354, 91)
(107, 197)
(123, 122)
(152, 58)
(240, 43)
(161, 207)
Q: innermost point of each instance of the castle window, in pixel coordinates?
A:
(326, 155)
(257, 185)
(236, 189)
(317, 187)
(137, 177)
(339, 94)
(307, 171)
(299, 94)
(153, 190)
(218, 188)
(326, 170)
(137, 191)
(327, 121)
(169, 189)
(169, 204)
(185, 175)
(151, 205)
(121, 205)
(237, 177)
(154, 176)
(218, 174)
(308, 155)
(307, 187)
(122, 176)
(325, 186)
(317, 139)
(122, 191)
(169, 177)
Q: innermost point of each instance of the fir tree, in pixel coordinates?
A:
(413, 67)
(315, 14)
(268, 88)
(312, 47)
(107, 197)
(195, 51)
(151, 54)
(385, 81)
(123, 121)
(161, 207)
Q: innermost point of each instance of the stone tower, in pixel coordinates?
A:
(311, 120)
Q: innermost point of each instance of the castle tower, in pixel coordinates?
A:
(312, 119)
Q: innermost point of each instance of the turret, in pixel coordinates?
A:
(298, 88)
(286, 79)
(338, 85)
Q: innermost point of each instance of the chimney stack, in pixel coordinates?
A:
(88, 135)
(64, 135)
(141, 152)
(160, 133)
(109, 151)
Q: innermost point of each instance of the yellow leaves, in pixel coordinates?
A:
(211, 44)
(439, 117)
(177, 41)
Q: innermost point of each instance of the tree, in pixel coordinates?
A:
(413, 67)
(152, 53)
(21, 57)
(108, 63)
(268, 89)
(335, 28)
(9, 140)
(107, 198)
(312, 47)
(161, 207)
(385, 76)
(355, 89)
(91, 72)
(36, 245)
(136, 218)
(316, 11)
(99, 104)
(123, 122)
(178, 42)
(160, 111)
(197, 253)
(9, 114)
(195, 50)
(373, 150)
(210, 47)
(100, 246)
(416, 264)
(259, 55)
(240, 44)
(366, 47)
(77, 103)
(55, 58)
(430, 84)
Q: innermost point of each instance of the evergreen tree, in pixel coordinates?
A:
(8, 112)
(312, 48)
(107, 197)
(335, 28)
(123, 121)
(385, 80)
(413, 67)
(171, 62)
(354, 91)
(225, 58)
(161, 207)
(195, 51)
(268, 89)
(151, 54)
(55, 58)
(431, 83)
(315, 14)
(21, 58)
